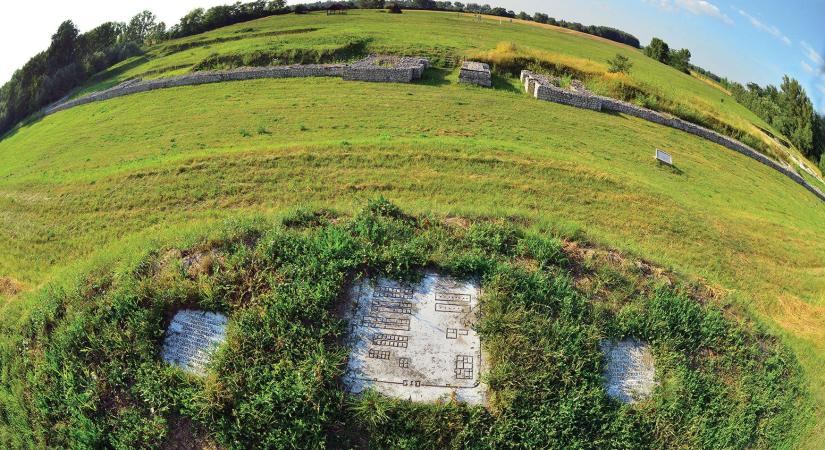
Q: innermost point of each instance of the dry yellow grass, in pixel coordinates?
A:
(552, 27)
(710, 82)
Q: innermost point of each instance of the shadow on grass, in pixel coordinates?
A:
(435, 76)
(506, 84)
(672, 168)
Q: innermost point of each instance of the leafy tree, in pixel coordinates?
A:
(619, 64)
(540, 17)
(300, 9)
(658, 50)
(798, 114)
(819, 139)
(425, 4)
(393, 8)
(370, 4)
(64, 46)
(191, 23)
(141, 25)
(524, 16)
(680, 60)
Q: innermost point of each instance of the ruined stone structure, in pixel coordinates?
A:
(387, 69)
(545, 88)
(374, 68)
(477, 73)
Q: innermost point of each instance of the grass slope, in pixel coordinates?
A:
(444, 37)
(83, 179)
(95, 379)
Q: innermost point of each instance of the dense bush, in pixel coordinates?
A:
(85, 370)
(619, 64)
(393, 8)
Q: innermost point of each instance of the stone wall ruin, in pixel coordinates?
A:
(546, 88)
(477, 73)
(388, 69)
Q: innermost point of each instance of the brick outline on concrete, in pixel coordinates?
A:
(545, 88)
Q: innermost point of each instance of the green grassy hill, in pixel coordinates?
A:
(138, 168)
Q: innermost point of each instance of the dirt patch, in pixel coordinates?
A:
(183, 436)
(9, 286)
(197, 263)
(639, 277)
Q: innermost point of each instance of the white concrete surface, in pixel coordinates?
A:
(630, 373)
(192, 338)
(415, 341)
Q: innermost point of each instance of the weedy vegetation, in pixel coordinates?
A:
(83, 369)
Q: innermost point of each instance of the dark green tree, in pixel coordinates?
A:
(140, 26)
(64, 47)
(680, 60)
(370, 4)
(798, 113)
(658, 50)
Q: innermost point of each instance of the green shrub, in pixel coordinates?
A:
(619, 64)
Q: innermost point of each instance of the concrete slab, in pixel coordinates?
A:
(415, 342)
(192, 338)
(630, 372)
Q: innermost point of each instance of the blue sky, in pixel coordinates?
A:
(757, 40)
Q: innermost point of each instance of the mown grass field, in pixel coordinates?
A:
(445, 38)
(78, 182)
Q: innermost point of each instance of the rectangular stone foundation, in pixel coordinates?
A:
(475, 73)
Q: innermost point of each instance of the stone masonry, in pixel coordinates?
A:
(545, 88)
(477, 73)
(374, 68)
(386, 69)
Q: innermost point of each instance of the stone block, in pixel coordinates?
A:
(477, 73)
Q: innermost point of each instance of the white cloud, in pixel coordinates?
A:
(807, 67)
(821, 88)
(770, 29)
(701, 7)
(697, 7)
(812, 55)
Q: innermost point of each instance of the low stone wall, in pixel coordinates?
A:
(404, 70)
(386, 69)
(544, 88)
(244, 73)
(477, 73)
